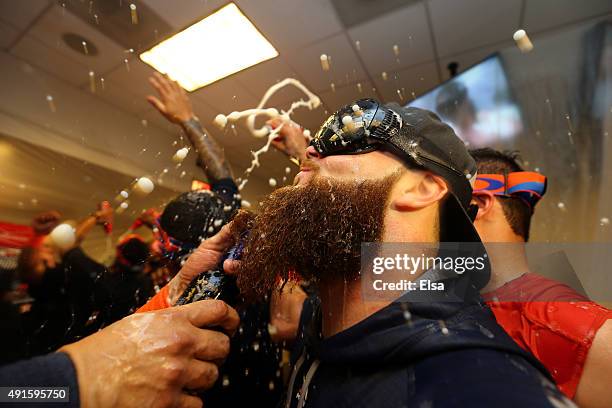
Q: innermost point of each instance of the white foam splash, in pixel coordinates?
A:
(251, 115)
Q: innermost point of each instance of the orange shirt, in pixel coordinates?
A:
(157, 302)
(552, 321)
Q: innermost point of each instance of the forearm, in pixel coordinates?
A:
(83, 228)
(211, 157)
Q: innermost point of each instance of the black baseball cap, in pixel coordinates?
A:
(422, 140)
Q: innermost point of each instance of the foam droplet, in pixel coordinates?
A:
(144, 185)
(324, 62)
(180, 155)
(64, 236)
(133, 13)
(220, 120)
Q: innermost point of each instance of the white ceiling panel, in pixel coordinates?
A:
(407, 28)
(153, 118)
(345, 66)
(136, 78)
(180, 14)
(543, 14)
(204, 111)
(57, 21)
(311, 119)
(291, 24)
(21, 14)
(347, 94)
(467, 24)
(410, 82)
(8, 34)
(226, 95)
(467, 59)
(50, 60)
(257, 79)
(120, 96)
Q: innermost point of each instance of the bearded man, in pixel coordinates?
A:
(381, 174)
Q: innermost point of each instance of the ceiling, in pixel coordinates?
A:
(111, 127)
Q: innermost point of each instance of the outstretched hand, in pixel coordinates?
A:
(45, 222)
(173, 102)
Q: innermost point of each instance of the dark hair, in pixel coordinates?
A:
(517, 212)
(193, 216)
(135, 251)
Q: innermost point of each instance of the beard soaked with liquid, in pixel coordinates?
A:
(315, 230)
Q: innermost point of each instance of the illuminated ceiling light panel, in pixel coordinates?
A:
(217, 46)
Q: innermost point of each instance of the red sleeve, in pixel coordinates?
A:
(157, 302)
(563, 335)
(559, 334)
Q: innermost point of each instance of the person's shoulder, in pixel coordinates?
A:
(531, 287)
(478, 377)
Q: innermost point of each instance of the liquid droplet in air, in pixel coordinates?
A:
(324, 62)
(134, 13)
(51, 103)
(443, 327)
(92, 81)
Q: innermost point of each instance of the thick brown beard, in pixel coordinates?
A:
(315, 230)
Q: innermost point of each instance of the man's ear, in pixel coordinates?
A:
(425, 190)
(484, 200)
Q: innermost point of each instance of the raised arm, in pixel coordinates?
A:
(174, 104)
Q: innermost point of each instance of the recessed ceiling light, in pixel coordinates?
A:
(217, 46)
(80, 44)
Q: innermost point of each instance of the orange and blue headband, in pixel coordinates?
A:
(526, 185)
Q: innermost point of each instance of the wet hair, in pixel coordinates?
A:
(517, 212)
(193, 216)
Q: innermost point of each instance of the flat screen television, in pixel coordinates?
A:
(477, 104)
